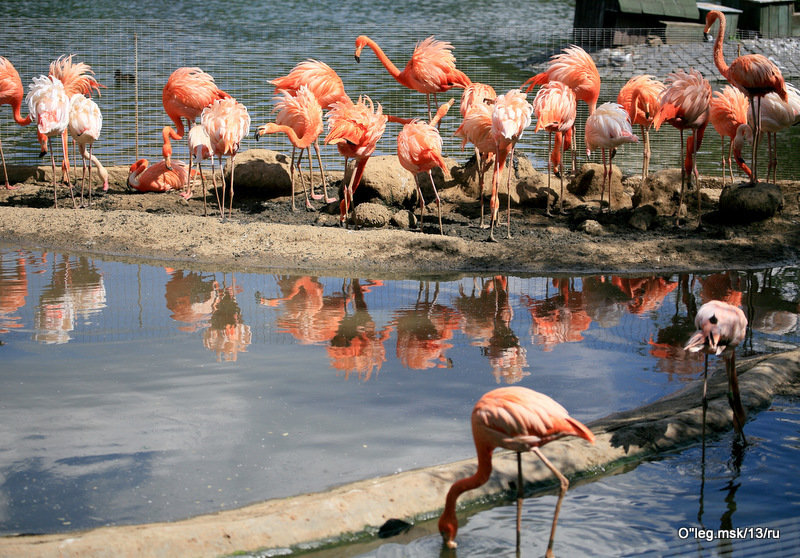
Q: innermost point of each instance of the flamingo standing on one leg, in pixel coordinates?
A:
(686, 104)
(754, 74)
(419, 149)
(521, 420)
(555, 109)
(608, 128)
(776, 115)
(640, 98)
(431, 69)
(187, 92)
(144, 177)
(300, 118)
(728, 111)
(226, 122)
(48, 105)
(355, 128)
(327, 87)
(85, 123)
(11, 93)
(477, 129)
(510, 116)
(200, 150)
(720, 328)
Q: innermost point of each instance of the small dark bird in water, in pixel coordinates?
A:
(394, 527)
(120, 78)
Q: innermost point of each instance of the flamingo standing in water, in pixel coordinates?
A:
(187, 92)
(85, 123)
(300, 118)
(226, 122)
(476, 128)
(419, 149)
(521, 420)
(721, 327)
(728, 111)
(640, 98)
(754, 74)
(200, 150)
(355, 128)
(11, 93)
(686, 104)
(554, 106)
(158, 178)
(327, 87)
(431, 69)
(48, 105)
(510, 116)
(608, 128)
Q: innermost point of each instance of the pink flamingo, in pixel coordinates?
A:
(640, 98)
(300, 118)
(608, 128)
(85, 123)
(158, 177)
(521, 420)
(226, 122)
(11, 93)
(555, 109)
(200, 150)
(728, 111)
(476, 128)
(431, 69)
(510, 116)
(419, 149)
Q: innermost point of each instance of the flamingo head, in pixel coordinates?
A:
(136, 169)
(448, 527)
(361, 42)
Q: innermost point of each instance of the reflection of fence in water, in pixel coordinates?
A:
(243, 64)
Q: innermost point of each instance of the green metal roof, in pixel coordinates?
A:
(672, 8)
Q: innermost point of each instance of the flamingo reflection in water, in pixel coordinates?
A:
(191, 298)
(724, 286)
(560, 318)
(227, 334)
(486, 319)
(644, 294)
(13, 290)
(423, 331)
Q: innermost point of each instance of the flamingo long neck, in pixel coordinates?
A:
(388, 64)
(448, 524)
(302, 142)
(719, 57)
(166, 133)
(17, 109)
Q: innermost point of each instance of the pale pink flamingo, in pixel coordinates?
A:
(431, 69)
(300, 118)
(480, 95)
(200, 150)
(476, 128)
(327, 87)
(419, 149)
(521, 420)
(11, 93)
(607, 129)
(721, 327)
(686, 104)
(555, 109)
(187, 92)
(48, 105)
(776, 115)
(640, 98)
(754, 74)
(85, 123)
(144, 177)
(728, 112)
(226, 122)
(355, 128)
(510, 116)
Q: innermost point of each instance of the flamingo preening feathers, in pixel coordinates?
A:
(11, 93)
(85, 123)
(554, 106)
(728, 111)
(640, 98)
(144, 177)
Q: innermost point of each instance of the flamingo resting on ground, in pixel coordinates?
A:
(200, 150)
(85, 123)
(143, 177)
(640, 98)
(728, 111)
(226, 122)
(476, 128)
(419, 149)
(11, 93)
(431, 69)
(300, 118)
(554, 106)
(754, 74)
(720, 328)
(521, 420)
(607, 129)
(510, 116)
(48, 105)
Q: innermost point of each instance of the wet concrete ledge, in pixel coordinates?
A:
(360, 508)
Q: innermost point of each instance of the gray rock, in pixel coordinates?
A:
(263, 170)
(747, 204)
(642, 217)
(372, 215)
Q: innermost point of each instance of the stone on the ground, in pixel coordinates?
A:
(747, 204)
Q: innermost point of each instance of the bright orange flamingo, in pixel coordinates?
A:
(355, 128)
(327, 87)
(158, 177)
(476, 128)
(187, 92)
(521, 420)
(431, 69)
(608, 128)
(200, 150)
(686, 104)
(510, 116)
(11, 93)
(720, 328)
(776, 115)
(226, 122)
(48, 105)
(640, 98)
(85, 123)
(300, 118)
(419, 149)
(728, 112)
(554, 106)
